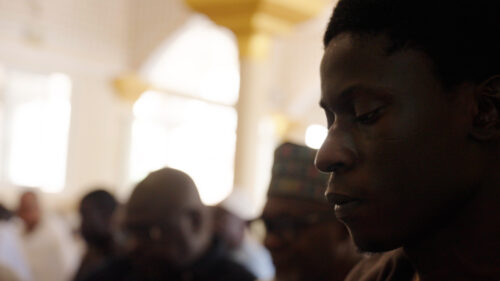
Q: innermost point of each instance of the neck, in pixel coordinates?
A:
(29, 228)
(105, 245)
(336, 273)
(467, 248)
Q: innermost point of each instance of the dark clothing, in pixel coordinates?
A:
(94, 259)
(390, 266)
(213, 266)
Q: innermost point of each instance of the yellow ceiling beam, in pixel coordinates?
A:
(255, 21)
(130, 87)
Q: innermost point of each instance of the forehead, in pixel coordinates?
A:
(348, 49)
(363, 60)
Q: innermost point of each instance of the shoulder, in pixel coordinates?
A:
(226, 269)
(389, 266)
(7, 275)
(116, 269)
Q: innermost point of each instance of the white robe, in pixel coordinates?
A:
(255, 258)
(50, 251)
(12, 259)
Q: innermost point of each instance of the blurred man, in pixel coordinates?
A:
(306, 241)
(47, 243)
(12, 259)
(171, 235)
(232, 217)
(96, 210)
(29, 211)
(411, 93)
(6, 274)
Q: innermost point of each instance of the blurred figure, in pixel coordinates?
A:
(46, 242)
(6, 274)
(306, 241)
(13, 264)
(96, 211)
(170, 235)
(5, 214)
(29, 211)
(232, 219)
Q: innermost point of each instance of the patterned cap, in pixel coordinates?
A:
(295, 176)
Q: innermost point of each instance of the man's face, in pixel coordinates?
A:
(397, 145)
(230, 227)
(95, 226)
(168, 238)
(302, 238)
(29, 210)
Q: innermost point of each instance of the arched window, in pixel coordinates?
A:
(190, 124)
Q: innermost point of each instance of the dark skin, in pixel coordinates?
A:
(29, 211)
(96, 227)
(229, 227)
(305, 256)
(168, 223)
(412, 164)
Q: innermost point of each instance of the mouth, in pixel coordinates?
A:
(344, 205)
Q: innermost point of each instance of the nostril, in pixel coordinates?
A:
(329, 198)
(336, 167)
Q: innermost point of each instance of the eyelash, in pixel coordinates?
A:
(366, 119)
(370, 117)
(330, 118)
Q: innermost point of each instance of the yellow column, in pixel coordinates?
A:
(130, 87)
(254, 22)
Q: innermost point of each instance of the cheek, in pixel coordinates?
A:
(418, 166)
(413, 146)
(413, 181)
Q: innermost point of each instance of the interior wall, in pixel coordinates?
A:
(151, 22)
(296, 89)
(88, 41)
(94, 41)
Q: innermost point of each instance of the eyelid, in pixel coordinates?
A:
(330, 117)
(377, 108)
(365, 118)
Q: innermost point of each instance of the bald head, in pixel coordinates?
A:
(166, 207)
(163, 192)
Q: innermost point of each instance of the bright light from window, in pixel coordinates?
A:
(201, 59)
(39, 114)
(315, 135)
(147, 105)
(186, 134)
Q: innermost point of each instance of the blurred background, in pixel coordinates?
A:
(100, 93)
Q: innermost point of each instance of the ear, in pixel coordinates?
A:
(486, 124)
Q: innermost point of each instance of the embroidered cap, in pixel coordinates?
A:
(295, 176)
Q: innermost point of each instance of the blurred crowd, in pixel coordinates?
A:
(165, 232)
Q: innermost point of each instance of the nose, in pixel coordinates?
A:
(338, 151)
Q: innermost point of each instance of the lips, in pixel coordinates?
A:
(345, 206)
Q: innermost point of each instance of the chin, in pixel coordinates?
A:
(375, 244)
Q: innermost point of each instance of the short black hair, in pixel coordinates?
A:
(101, 200)
(460, 37)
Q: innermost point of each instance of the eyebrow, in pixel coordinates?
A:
(348, 94)
(344, 97)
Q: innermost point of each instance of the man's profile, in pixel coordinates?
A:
(411, 92)
(299, 221)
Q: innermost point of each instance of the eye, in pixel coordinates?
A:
(330, 118)
(369, 118)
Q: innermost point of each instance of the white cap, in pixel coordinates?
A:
(239, 203)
